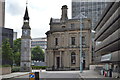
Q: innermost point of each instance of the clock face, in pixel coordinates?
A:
(25, 32)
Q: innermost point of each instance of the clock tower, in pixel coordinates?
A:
(26, 44)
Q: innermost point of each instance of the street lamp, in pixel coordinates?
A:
(81, 57)
(81, 16)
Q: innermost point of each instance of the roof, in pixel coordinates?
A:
(26, 16)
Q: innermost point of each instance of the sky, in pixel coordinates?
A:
(40, 12)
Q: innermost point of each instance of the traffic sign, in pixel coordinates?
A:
(31, 76)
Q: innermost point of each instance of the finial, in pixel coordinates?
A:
(26, 2)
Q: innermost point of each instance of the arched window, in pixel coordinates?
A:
(73, 58)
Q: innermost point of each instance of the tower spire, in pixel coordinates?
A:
(26, 16)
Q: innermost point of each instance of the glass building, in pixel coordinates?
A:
(88, 8)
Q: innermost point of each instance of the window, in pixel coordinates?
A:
(72, 25)
(73, 58)
(83, 40)
(63, 26)
(73, 40)
(56, 41)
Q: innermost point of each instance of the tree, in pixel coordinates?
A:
(17, 51)
(37, 54)
(7, 53)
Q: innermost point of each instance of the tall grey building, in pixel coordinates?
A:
(5, 33)
(2, 13)
(91, 10)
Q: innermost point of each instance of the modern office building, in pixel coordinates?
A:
(4, 32)
(88, 8)
(2, 13)
(63, 43)
(107, 38)
(42, 42)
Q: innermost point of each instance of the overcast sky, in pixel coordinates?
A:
(40, 12)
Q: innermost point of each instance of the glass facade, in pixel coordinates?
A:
(91, 10)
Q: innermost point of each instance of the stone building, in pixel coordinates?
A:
(63, 43)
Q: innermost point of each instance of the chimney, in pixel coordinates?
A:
(64, 16)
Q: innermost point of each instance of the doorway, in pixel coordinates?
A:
(58, 62)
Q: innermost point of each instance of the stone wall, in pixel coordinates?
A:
(5, 70)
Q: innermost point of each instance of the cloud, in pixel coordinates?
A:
(14, 7)
(40, 12)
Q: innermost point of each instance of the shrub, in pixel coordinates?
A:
(5, 66)
(39, 67)
(16, 69)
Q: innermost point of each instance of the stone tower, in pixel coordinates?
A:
(26, 44)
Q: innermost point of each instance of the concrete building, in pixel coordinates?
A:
(14, 35)
(90, 9)
(42, 42)
(7, 33)
(4, 32)
(107, 38)
(2, 13)
(63, 43)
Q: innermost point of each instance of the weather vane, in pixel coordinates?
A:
(26, 2)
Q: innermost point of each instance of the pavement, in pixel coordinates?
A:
(12, 75)
(84, 74)
(90, 74)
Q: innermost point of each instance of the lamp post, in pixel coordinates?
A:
(81, 16)
(81, 57)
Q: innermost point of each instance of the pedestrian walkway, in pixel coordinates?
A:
(12, 75)
(84, 74)
(90, 74)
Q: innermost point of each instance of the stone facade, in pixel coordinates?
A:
(63, 43)
(26, 45)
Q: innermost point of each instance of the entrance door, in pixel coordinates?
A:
(58, 62)
(83, 64)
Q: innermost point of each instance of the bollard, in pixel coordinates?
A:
(36, 75)
(31, 76)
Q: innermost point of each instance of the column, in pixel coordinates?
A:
(60, 59)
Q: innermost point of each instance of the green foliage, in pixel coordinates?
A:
(7, 53)
(37, 54)
(17, 58)
(17, 51)
(15, 69)
(17, 45)
(39, 67)
(5, 65)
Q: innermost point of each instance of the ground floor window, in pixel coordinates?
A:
(73, 58)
